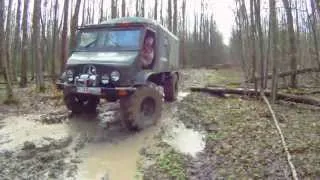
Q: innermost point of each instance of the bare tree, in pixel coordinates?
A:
(36, 40)
(74, 25)
(161, 8)
(142, 8)
(123, 8)
(24, 57)
(312, 21)
(113, 8)
(169, 15)
(292, 39)
(275, 48)
(253, 43)
(263, 63)
(3, 54)
(17, 39)
(137, 7)
(54, 40)
(101, 10)
(8, 39)
(175, 17)
(155, 10)
(64, 47)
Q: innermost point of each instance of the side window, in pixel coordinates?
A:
(166, 47)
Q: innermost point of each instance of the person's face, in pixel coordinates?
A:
(149, 42)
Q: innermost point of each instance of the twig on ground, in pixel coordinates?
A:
(284, 144)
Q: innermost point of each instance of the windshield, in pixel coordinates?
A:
(109, 39)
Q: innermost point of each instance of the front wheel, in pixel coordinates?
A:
(143, 108)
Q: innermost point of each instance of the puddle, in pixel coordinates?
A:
(186, 141)
(182, 95)
(116, 161)
(115, 155)
(24, 128)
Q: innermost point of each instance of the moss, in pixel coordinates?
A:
(172, 163)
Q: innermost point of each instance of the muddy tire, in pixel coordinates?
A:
(79, 105)
(171, 88)
(143, 108)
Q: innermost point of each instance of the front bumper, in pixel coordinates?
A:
(111, 94)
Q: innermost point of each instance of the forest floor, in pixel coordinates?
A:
(200, 136)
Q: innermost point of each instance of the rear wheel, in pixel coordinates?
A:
(78, 104)
(171, 88)
(143, 108)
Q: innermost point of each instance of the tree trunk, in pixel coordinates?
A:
(84, 12)
(183, 58)
(74, 25)
(36, 40)
(3, 58)
(113, 8)
(24, 57)
(253, 43)
(101, 11)
(169, 15)
(17, 41)
(221, 91)
(314, 31)
(64, 47)
(155, 10)
(123, 8)
(54, 40)
(263, 63)
(161, 8)
(175, 17)
(137, 8)
(292, 41)
(142, 8)
(8, 40)
(275, 48)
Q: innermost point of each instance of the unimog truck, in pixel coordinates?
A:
(109, 62)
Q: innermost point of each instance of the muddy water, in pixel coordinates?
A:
(24, 128)
(115, 160)
(187, 141)
(116, 154)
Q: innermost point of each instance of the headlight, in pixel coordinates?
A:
(69, 75)
(115, 76)
(105, 79)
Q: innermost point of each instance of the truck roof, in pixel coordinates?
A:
(129, 20)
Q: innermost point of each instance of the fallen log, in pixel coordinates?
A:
(285, 74)
(220, 91)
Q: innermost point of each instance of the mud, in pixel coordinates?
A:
(40, 139)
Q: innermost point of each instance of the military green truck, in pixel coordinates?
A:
(106, 63)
